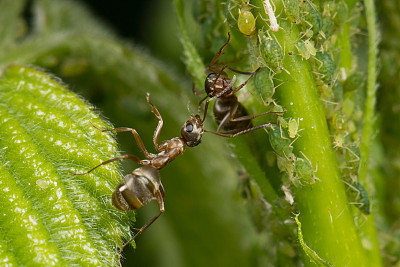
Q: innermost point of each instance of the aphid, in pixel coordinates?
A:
(271, 52)
(305, 170)
(353, 82)
(271, 15)
(326, 27)
(292, 10)
(293, 128)
(361, 198)
(313, 17)
(230, 115)
(348, 106)
(337, 92)
(326, 68)
(42, 184)
(341, 13)
(280, 142)
(302, 49)
(339, 121)
(263, 84)
(144, 183)
(246, 22)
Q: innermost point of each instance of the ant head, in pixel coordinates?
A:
(192, 131)
(215, 83)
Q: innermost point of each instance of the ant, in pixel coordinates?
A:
(230, 115)
(144, 183)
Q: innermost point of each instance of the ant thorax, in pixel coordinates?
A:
(170, 149)
(216, 83)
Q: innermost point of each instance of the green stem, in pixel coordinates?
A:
(368, 231)
(369, 111)
(323, 206)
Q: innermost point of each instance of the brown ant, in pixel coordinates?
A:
(144, 183)
(230, 115)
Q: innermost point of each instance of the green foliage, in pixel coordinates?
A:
(309, 162)
(48, 215)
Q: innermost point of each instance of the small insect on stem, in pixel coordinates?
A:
(271, 14)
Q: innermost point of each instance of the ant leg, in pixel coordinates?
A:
(160, 199)
(239, 71)
(135, 134)
(241, 132)
(220, 53)
(160, 123)
(132, 157)
(224, 121)
(250, 117)
(199, 106)
(195, 92)
(206, 107)
(228, 117)
(245, 82)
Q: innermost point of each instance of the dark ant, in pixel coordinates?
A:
(230, 115)
(144, 183)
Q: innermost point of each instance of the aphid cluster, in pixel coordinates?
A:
(340, 89)
(143, 184)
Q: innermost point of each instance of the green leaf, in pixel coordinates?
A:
(48, 216)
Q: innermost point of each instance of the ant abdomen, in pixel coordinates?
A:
(138, 188)
(226, 110)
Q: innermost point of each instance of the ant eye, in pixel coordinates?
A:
(189, 128)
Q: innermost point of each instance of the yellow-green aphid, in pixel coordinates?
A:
(348, 106)
(246, 22)
(306, 49)
(42, 184)
(302, 49)
(293, 128)
(339, 121)
(310, 47)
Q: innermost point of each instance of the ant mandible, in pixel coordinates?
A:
(144, 183)
(230, 115)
